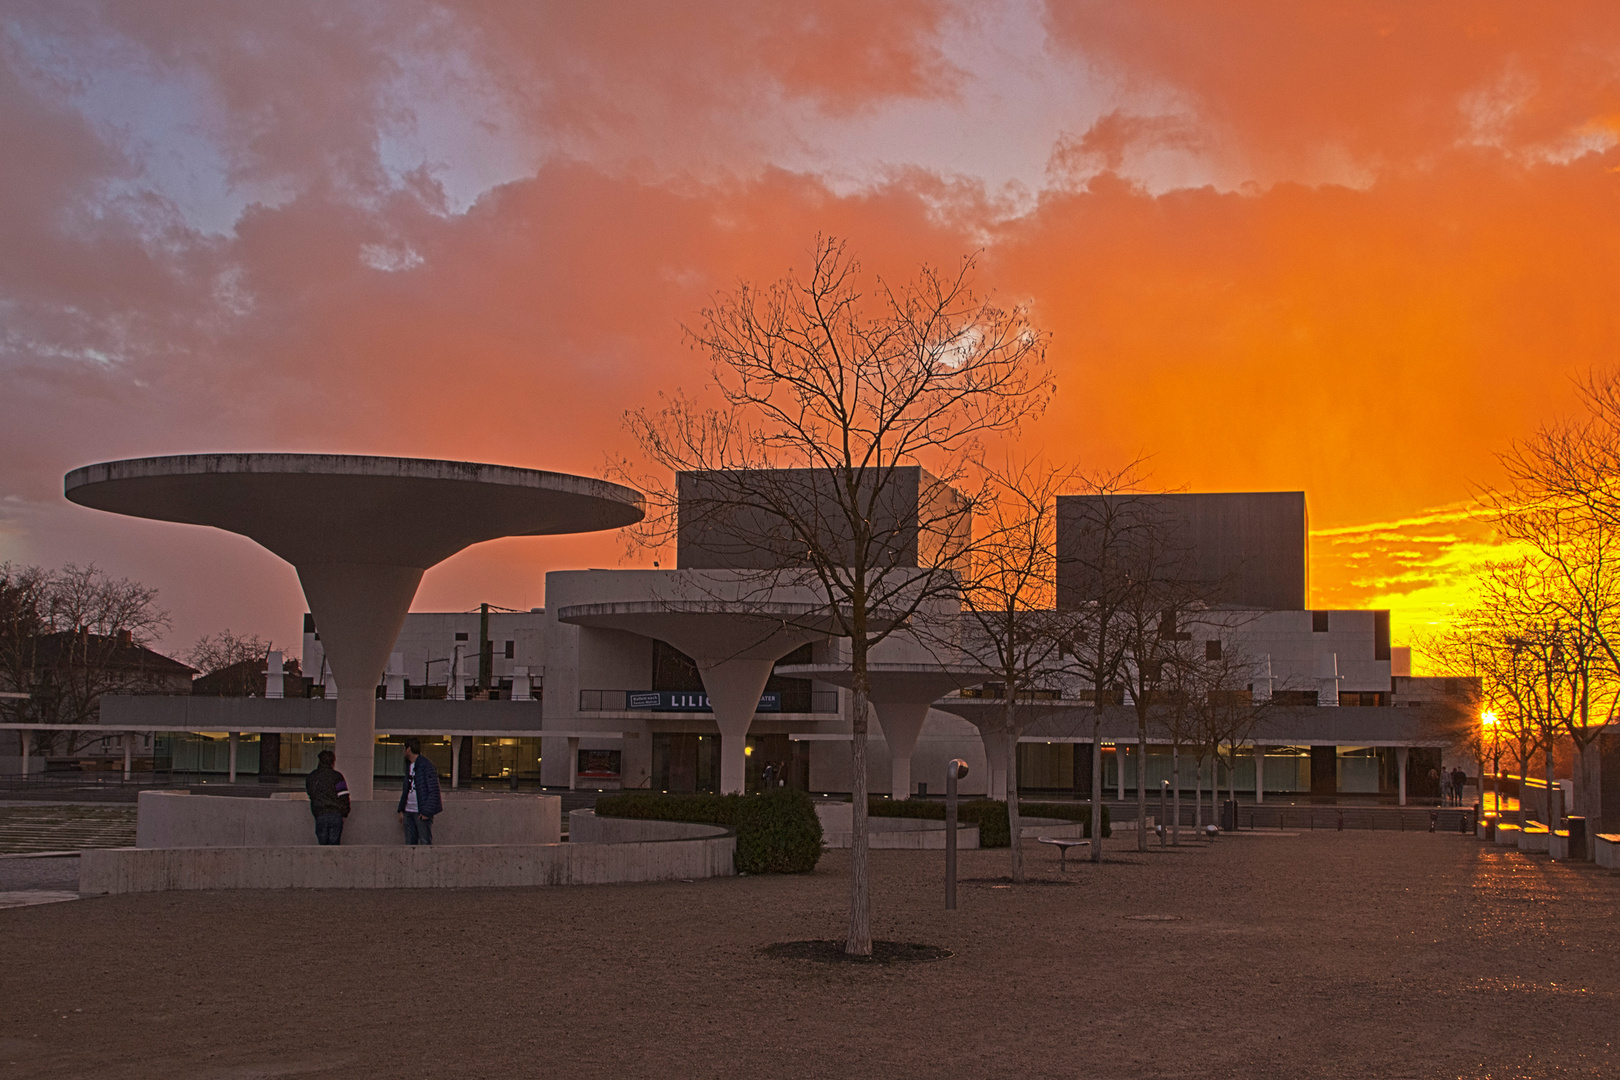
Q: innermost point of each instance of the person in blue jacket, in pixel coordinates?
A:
(419, 802)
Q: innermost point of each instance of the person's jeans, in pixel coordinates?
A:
(419, 829)
(328, 829)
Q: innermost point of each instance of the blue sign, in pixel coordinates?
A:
(689, 701)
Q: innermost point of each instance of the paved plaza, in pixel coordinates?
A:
(1308, 955)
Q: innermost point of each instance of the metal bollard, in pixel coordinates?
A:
(954, 771)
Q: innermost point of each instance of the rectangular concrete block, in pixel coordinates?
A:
(1507, 834)
(122, 870)
(172, 819)
(1606, 850)
(1533, 838)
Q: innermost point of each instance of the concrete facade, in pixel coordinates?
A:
(1250, 548)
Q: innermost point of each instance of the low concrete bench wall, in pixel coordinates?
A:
(175, 819)
(890, 833)
(468, 866)
(1507, 834)
(1606, 850)
(584, 827)
(1533, 838)
(1558, 845)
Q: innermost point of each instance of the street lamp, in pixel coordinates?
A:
(1490, 726)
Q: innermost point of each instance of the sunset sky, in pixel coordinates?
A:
(1350, 248)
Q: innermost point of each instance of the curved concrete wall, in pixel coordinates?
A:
(584, 827)
(172, 819)
(122, 870)
(889, 833)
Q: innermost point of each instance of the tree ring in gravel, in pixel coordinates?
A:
(883, 952)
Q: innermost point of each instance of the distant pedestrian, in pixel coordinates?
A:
(328, 800)
(1459, 781)
(769, 776)
(419, 803)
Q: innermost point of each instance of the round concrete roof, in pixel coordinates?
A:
(337, 508)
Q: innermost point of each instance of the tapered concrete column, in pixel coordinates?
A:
(573, 764)
(995, 758)
(1259, 773)
(734, 687)
(359, 611)
(1401, 754)
(235, 742)
(455, 760)
(902, 723)
(129, 740)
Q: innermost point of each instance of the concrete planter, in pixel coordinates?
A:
(1533, 838)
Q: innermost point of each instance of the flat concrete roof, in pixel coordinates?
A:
(337, 508)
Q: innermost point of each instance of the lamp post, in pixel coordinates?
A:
(1488, 726)
(954, 771)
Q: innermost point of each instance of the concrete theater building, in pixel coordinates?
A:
(691, 679)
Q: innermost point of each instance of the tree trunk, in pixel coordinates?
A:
(1096, 787)
(1015, 830)
(860, 882)
(1141, 785)
(1175, 795)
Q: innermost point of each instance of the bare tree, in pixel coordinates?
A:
(846, 427)
(237, 662)
(1008, 602)
(69, 636)
(1106, 529)
(1562, 502)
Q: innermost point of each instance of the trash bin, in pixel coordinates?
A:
(1577, 836)
(1229, 815)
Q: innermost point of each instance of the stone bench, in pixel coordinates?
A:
(1534, 837)
(1607, 850)
(1558, 845)
(1507, 834)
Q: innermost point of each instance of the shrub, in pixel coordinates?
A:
(777, 831)
(989, 815)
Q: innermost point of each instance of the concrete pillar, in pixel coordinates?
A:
(1259, 773)
(359, 611)
(129, 749)
(573, 763)
(1401, 754)
(235, 740)
(734, 687)
(1327, 680)
(455, 760)
(902, 723)
(274, 676)
(394, 677)
(1121, 755)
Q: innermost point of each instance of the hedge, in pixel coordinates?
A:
(777, 831)
(989, 815)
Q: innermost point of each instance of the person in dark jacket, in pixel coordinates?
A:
(328, 800)
(419, 802)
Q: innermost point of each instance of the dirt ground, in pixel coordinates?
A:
(1316, 955)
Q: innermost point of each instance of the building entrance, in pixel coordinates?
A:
(683, 762)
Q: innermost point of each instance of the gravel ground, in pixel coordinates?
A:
(1313, 955)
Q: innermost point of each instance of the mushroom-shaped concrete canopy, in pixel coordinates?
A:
(360, 531)
(901, 693)
(735, 644)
